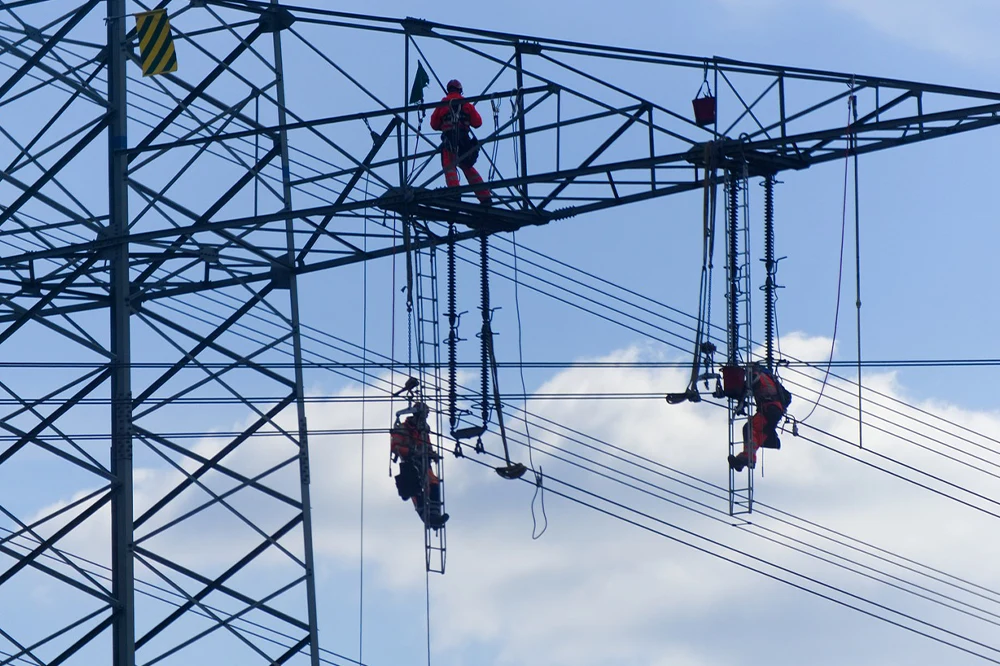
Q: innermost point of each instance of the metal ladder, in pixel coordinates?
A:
(739, 344)
(428, 348)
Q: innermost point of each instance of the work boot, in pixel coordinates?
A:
(771, 442)
(738, 462)
(437, 520)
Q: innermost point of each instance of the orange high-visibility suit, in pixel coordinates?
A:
(458, 149)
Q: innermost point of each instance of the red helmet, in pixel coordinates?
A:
(454, 86)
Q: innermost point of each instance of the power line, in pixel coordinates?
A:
(743, 555)
(365, 345)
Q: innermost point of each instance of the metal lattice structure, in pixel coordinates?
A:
(154, 232)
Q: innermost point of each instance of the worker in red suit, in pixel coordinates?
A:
(772, 399)
(410, 445)
(458, 147)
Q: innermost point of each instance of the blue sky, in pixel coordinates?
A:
(594, 590)
(585, 592)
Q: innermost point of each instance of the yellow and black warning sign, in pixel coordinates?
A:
(156, 46)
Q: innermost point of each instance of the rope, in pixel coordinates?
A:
(392, 338)
(513, 135)
(840, 278)
(711, 264)
(427, 596)
(364, 387)
(859, 376)
(256, 156)
(853, 138)
(409, 297)
(539, 487)
(705, 287)
(495, 105)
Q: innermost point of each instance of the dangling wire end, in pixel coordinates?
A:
(539, 493)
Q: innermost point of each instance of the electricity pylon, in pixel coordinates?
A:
(154, 231)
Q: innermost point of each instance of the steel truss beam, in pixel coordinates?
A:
(177, 274)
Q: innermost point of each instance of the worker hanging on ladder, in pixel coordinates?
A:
(410, 444)
(772, 399)
(459, 147)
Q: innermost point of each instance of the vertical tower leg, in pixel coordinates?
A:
(299, 386)
(122, 567)
(522, 142)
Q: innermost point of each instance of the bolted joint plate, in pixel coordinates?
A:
(281, 276)
(276, 19)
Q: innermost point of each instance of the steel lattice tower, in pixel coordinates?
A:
(154, 231)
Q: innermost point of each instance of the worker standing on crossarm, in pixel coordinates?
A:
(459, 148)
(772, 399)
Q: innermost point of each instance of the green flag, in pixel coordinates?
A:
(420, 82)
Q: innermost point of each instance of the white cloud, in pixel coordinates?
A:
(595, 590)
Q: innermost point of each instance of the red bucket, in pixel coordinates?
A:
(734, 381)
(704, 110)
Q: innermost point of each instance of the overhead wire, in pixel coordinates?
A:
(759, 567)
(713, 491)
(364, 405)
(607, 294)
(853, 138)
(521, 366)
(525, 391)
(872, 418)
(710, 489)
(159, 593)
(515, 365)
(717, 514)
(539, 478)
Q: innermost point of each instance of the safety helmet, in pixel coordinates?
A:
(454, 86)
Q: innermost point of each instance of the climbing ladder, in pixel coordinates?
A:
(427, 343)
(738, 345)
